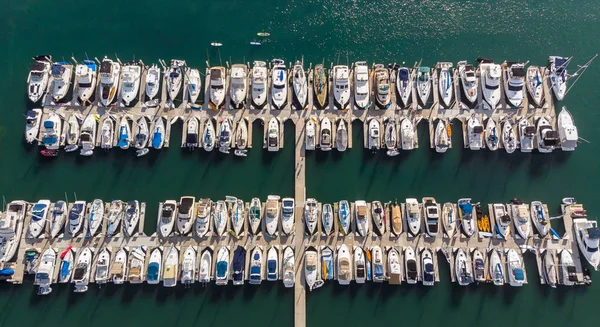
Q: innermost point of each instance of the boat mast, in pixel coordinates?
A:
(579, 71)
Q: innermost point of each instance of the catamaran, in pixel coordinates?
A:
(39, 75)
(86, 74)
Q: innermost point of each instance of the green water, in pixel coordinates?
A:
(321, 30)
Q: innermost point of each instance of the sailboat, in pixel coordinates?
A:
(140, 139)
(255, 216)
(237, 216)
(496, 268)
(379, 218)
(220, 217)
(132, 217)
(449, 219)
(72, 133)
(115, 215)
(540, 217)
(216, 94)
(491, 135)
(445, 84)
(241, 137)
(300, 84)
(462, 269)
(509, 137)
(59, 214)
(341, 138)
(96, 216)
(124, 140)
(225, 135)
(327, 219)
(326, 263)
(66, 265)
(423, 84)
(558, 75)
(76, 217)
(193, 84)
(288, 267)
(174, 78)
(535, 86)
(208, 137)
(478, 266)
(549, 271)
(39, 214)
(404, 82)
(390, 135)
(344, 216)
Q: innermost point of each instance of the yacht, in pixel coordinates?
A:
(310, 134)
(568, 272)
(166, 218)
(136, 266)
(379, 217)
(535, 84)
(273, 135)
(132, 217)
(86, 74)
(413, 216)
(39, 214)
(383, 97)
(491, 135)
(32, 127)
(540, 218)
(288, 269)
(410, 265)
(310, 216)
(547, 138)
(255, 216)
(279, 84)
(203, 212)
(449, 219)
(174, 78)
(490, 81)
(394, 270)
(184, 214)
(300, 84)
(361, 218)
(341, 87)
(431, 213)
(61, 80)
(217, 87)
(514, 80)
(391, 135)
(191, 138)
(327, 270)
(72, 136)
(567, 131)
(344, 265)
(443, 140)
(273, 263)
(107, 130)
(475, 133)
(259, 84)
(362, 89)
(205, 273)
(468, 81)
(359, 266)
(325, 138)
(158, 133)
(462, 269)
(423, 84)
(102, 267)
(588, 238)
(238, 88)
(407, 134)
(52, 131)
(526, 133)
(11, 228)
(374, 136)
(311, 262)
(152, 81)
(59, 214)
(327, 219)
(427, 265)
(404, 81)
(66, 265)
(208, 137)
(81, 274)
(256, 264)
(225, 135)
(520, 214)
(39, 74)
(320, 87)
(76, 217)
(115, 215)
(549, 269)
(96, 217)
(154, 267)
(465, 216)
(118, 269)
(558, 75)
(194, 84)
(509, 137)
(222, 267)
(445, 84)
(287, 215)
(109, 81)
(503, 221)
(344, 217)
(341, 136)
(124, 140)
(496, 268)
(130, 76)
(396, 219)
(478, 266)
(237, 217)
(516, 272)
(220, 217)
(171, 271)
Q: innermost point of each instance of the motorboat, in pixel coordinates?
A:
(526, 134)
(66, 265)
(259, 84)
(361, 218)
(109, 81)
(468, 81)
(255, 216)
(490, 81)
(76, 217)
(344, 217)
(107, 133)
(588, 238)
(443, 139)
(220, 217)
(445, 84)
(327, 270)
(516, 273)
(154, 267)
(344, 265)
(325, 138)
(431, 213)
(377, 264)
(496, 268)
(341, 137)
(547, 138)
(374, 135)
(166, 219)
(273, 264)
(462, 268)
(287, 215)
(174, 78)
(203, 213)
(62, 73)
(428, 268)
(225, 135)
(136, 266)
(509, 136)
(171, 271)
(310, 134)
(423, 84)
(404, 85)
(59, 214)
(86, 74)
(115, 215)
(279, 84)
(540, 218)
(32, 125)
(475, 133)
(396, 219)
(11, 229)
(300, 83)
(81, 274)
(362, 89)
(118, 269)
(132, 217)
(503, 220)
(379, 218)
(51, 136)
(96, 217)
(391, 135)
(549, 271)
(320, 86)
(256, 264)
(383, 96)
(520, 214)
(449, 219)
(410, 265)
(341, 87)
(413, 216)
(514, 80)
(45, 272)
(535, 84)
(152, 81)
(241, 137)
(101, 274)
(124, 140)
(237, 217)
(273, 135)
(184, 214)
(558, 75)
(465, 216)
(492, 140)
(205, 273)
(568, 272)
(311, 263)
(288, 267)
(208, 137)
(359, 265)
(327, 219)
(73, 132)
(310, 215)
(407, 134)
(217, 87)
(194, 85)
(567, 131)
(130, 75)
(479, 266)
(191, 138)
(158, 134)
(222, 266)
(394, 270)
(38, 77)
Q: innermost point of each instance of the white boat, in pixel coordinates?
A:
(410, 265)
(81, 274)
(311, 262)
(288, 267)
(259, 84)
(155, 267)
(59, 214)
(109, 81)
(391, 135)
(191, 137)
(431, 214)
(423, 84)
(184, 214)
(341, 137)
(217, 87)
(171, 271)
(361, 218)
(174, 78)
(383, 96)
(442, 137)
(568, 272)
(479, 266)
(287, 215)
(445, 84)
(520, 213)
(220, 217)
(118, 269)
(115, 215)
(237, 217)
(516, 272)
(377, 264)
(491, 135)
(344, 265)
(96, 217)
(72, 136)
(535, 84)
(107, 136)
(404, 82)
(549, 269)
(514, 80)
(62, 72)
(310, 215)
(241, 137)
(310, 134)
(407, 134)
(567, 131)
(130, 76)
(273, 135)
(38, 77)
(540, 218)
(102, 266)
(273, 263)
(194, 84)
(449, 219)
(490, 81)
(428, 268)
(66, 266)
(153, 81)
(208, 137)
(462, 268)
(222, 267)
(509, 137)
(374, 142)
(325, 139)
(396, 219)
(468, 81)
(503, 220)
(279, 84)
(300, 84)
(255, 216)
(158, 133)
(45, 272)
(203, 211)
(360, 271)
(132, 217)
(32, 125)
(547, 138)
(526, 133)
(465, 216)
(496, 268)
(225, 135)
(11, 228)
(341, 87)
(205, 273)
(136, 266)
(86, 73)
(327, 219)
(362, 88)
(344, 217)
(76, 217)
(52, 134)
(39, 214)
(413, 216)
(394, 270)
(125, 138)
(379, 218)
(474, 133)
(558, 75)
(166, 218)
(256, 264)
(588, 238)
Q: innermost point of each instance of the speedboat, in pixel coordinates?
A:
(300, 84)
(568, 271)
(549, 270)
(588, 238)
(465, 216)
(39, 74)
(59, 213)
(475, 133)
(374, 136)
(279, 84)
(259, 84)
(443, 140)
(431, 213)
(131, 81)
(327, 219)
(327, 271)
(158, 133)
(152, 81)
(107, 136)
(220, 217)
(171, 272)
(540, 218)
(341, 137)
(208, 137)
(396, 219)
(320, 86)
(154, 267)
(61, 80)
(404, 81)
(391, 135)
(237, 217)
(462, 269)
(45, 272)
(72, 136)
(567, 131)
(516, 273)
(217, 87)
(383, 97)
(52, 132)
(379, 218)
(174, 78)
(115, 215)
(132, 217)
(547, 138)
(491, 135)
(109, 80)
(66, 265)
(204, 275)
(478, 266)
(81, 274)
(325, 138)
(136, 266)
(449, 219)
(191, 138)
(273, 264)
(76, 217)
(39, 214)
(166, 219)
(102, 264)
(361, 218)
(394, 270)
(344, 217)
(273, 135)
(362, 88)
(359, 265)
(193, 85)
(423, 84)
(222, 267)
(184, 215)
(514, 80)
(124, 140)
(520, 213)
(311, 262)
(526, 133)
(118, 269)
(86, 74)
(225, 135)
(96, 216)
(255, 215)
(377, 264)
(32, 126)
(509, 137)
(413, 216)
(344, 266)
(310, 134)
(445, 84)
(287, 215)
(503, 221)
(341, 87)
(468, 81)
(310, 215)
(288, 267)
(238, 88)
(428, 273)
(535, 85)
(490, 81)
(496, 268)
(203, 208)
(407, 134)
(410, 265)
(256, 263)
(558, 75)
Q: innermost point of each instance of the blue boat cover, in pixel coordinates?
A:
(49, 139)
(239, 258)
(174, 75)
(48, 124)
(64, 269)
(378, 271)
(560, 64)
(57, 69)
(221, 268)
(271, 266)
(403, 74)
(153, 271)
(255, 271)
(466, 208)
(123, 136)
(593, 233)
(519, 274)
(157, 139)
(7, 272)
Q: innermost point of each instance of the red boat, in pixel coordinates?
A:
(49, 153)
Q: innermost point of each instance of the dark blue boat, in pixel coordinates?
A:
(239, 261)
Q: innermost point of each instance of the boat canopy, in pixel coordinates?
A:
(424, 69)
(593, 233)
(403, 73)
(185, 205)
(48, 124)
(529, 130)
(58, 69)
(560, 64)
(518, 71)
(153, 271)
(7, 272)
(466, 208)
(49, 139)
(170, 272)
(478, 129)
(106, 66)
(378, 271)
(485, 60)
(157, 139)
(519, 274)
(37, 66)
(221, 268)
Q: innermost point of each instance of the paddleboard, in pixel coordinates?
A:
(216, 44)
(255, 43)
(263, 34)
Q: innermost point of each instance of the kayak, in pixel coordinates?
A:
(49, 153)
